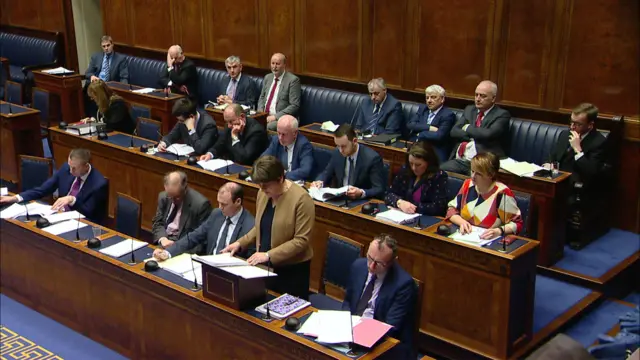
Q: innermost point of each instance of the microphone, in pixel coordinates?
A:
(131, 143)
(166, 92)
(10, 110)
(130, 87)
(159, 135)
(504, 238)
(227, 170)
(28, 218)
(353, 117)
(346, 202)
(193, 269)
(132, 261)
(78, 229)
(267, 316)
(418, 226)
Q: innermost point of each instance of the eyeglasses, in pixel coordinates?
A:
(576, 123)
(377, 263)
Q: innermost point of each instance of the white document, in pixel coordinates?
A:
(324, 194)
(214, 164)
(472, 238)
(221, 260)
(181, 265)
(248, 271)
(143, 91)
(124, 247)
(64, 227)
(396, 216)
(68, 215)
(180, 149)
(4, 191)
(335, 327)
(34, 208)
(58, 70)
(312, 327)
(520, 168)
(198, 275)
(12, 211)
(329, 126)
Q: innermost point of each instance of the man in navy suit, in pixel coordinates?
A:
(80, 187)
(292, 149)
(483, 127)
(194, 128)
(433, 123)
(381, 113)
(108, 65)
(379, 288)
(363, 172)
(239, 89)
(224, 226)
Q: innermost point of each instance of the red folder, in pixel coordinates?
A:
(369, 331)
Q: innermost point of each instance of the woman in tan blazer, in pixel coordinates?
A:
(285, 214)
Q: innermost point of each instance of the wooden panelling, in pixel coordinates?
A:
(527, 41)
(24, 13)
(189, 26)
(332, 27)
(388, 37)
(234, 32)
(49, 21)
(152, 24)
(116, 20)
(602, 56)
(278, 31)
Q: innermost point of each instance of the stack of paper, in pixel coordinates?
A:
(329, 126)
(329, 326)
(144, 91)
(4, 191)
(183, 265)
(34, 208)
(124, 247)
(520, 168)
(324, 194)
(472, 238)
(234, 265)
(214, 164)
(56, 71)
(63, 227)
(82, 129)
(180, 149)
(221, 260)
(396, 216)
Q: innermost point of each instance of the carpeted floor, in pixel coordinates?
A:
(26, 333)
(552, 299)
(601, 255)
(597, 322)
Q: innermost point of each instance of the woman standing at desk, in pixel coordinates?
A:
(483, 201)
(420, 186)
(285, 214)
(112, 109)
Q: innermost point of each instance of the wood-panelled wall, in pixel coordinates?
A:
(549, 54)
(47, 15)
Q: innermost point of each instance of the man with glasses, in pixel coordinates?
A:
(379, 288)
(380, 113)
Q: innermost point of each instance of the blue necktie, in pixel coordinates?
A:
(374, 119)
(107, 67)
(430, 118)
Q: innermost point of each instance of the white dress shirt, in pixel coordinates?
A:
(347, 163)
(289, 150)
(232, 226)
(272, 108)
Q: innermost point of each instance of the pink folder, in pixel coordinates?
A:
(369, 331)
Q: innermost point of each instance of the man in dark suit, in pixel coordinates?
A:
(181, 75)
(280, 93)
(379, 288)
(242, 142)
(224, 226)
(292, 149)
(433, 123)
(80, 186)
(482, 128)
(363, 172)
(180, 210)
(381, 113)
(580, 149)
(106, 66)
(194, 128)
(239, 89)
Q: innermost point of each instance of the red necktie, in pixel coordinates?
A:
(479, 118)
(463, 146)
(273, 91)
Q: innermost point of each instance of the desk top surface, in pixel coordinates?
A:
(13, 110)
(156, 94)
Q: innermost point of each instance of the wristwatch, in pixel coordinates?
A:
(267, 253)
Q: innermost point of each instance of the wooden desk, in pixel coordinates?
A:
(67, 95)
(19, 135)
(549, 196)
(135, 313)
(159, 102)
(475, 298)
(216, 114)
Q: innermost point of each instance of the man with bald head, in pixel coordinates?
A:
(180, 76)
(292, 149)
(483, 127)
(280, 93)
(243, 140)
(180, 210)
(226, 224)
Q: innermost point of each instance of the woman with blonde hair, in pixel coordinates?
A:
(112, 109)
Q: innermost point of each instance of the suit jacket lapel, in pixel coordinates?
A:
(236, 230)
(359, 164)
(340, 170)
(213, 234)
(186, 211)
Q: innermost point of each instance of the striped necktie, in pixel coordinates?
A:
(373, 124)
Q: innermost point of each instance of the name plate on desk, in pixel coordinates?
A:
(230, 289)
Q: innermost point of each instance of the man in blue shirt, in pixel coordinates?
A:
(292, 149)
(106, 66)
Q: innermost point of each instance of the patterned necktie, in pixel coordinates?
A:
(107, 67)
(232, 89)
(463, 146)
(366, 296)
(430, 118)
(222, 242)
(374, 120)
(273, 91)
(75, 189)
(479, 118)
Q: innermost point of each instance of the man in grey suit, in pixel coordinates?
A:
(280, 93)
(482, 128)
(108, 65)
(224, 226)
(180, 210)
